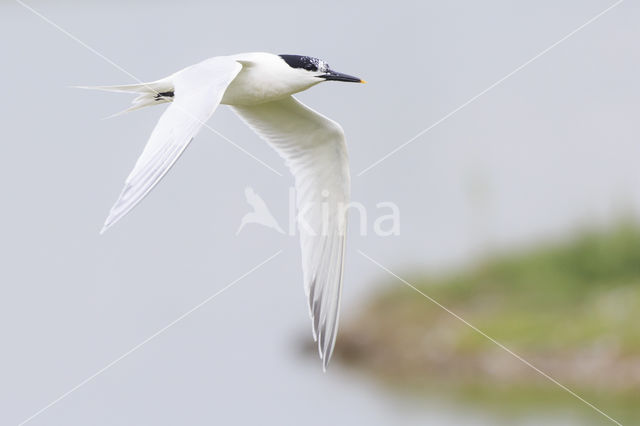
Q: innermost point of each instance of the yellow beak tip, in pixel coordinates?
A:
(363, 82)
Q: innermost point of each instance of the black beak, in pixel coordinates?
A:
(338, 76)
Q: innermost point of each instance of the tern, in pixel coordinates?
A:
(259, 88)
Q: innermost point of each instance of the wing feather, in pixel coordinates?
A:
(197, 93)
(314, 149)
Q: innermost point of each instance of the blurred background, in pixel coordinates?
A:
(519, 213)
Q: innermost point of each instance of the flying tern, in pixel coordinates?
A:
(259, 88)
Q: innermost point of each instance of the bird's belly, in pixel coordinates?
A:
(252, 87)
(246, 91)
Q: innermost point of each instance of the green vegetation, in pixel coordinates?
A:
(571, 309)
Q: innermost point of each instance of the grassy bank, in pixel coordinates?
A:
(572, 309)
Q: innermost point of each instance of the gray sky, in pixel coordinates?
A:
(550, 149)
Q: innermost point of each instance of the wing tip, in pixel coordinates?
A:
(326, 357)
(112, 219)
(107, 224)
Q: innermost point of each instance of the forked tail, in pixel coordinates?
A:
(152, 93)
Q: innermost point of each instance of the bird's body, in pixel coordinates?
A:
(258, 86)
(263, 78)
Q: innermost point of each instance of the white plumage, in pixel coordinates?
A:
(259, 86)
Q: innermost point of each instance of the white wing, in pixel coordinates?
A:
(197, 93)
(314, 149)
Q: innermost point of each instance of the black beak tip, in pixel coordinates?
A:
(338, 76)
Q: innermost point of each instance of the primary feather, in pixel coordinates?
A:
(314, 149)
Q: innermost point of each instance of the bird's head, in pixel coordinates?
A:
(316, 70)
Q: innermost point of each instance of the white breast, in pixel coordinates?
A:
(265, 77)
